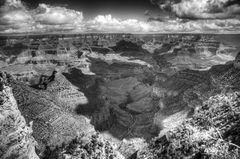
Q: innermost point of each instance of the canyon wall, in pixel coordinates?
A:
(16, 140)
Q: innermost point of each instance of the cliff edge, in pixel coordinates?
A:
(16, 141)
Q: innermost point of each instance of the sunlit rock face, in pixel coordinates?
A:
(151, 46)
(200, 54)
(16, 139)
(27, 61)
(53, 116)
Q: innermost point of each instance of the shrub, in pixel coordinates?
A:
(212, 132)
(83, 147)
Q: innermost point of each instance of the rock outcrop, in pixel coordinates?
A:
(237, 61)
(16, 140)
(198, 54)
(54, 120)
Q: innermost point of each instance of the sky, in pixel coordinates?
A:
(123, 9)
(125, 16)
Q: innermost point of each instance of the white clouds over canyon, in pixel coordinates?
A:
(217, 16)
(201, 9)
(46, 14)
(15, 17)
(206, 9)
(107, 23)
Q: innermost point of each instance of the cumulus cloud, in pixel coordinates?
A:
(47, 14)
(49, 18)
(15, 17)
(201, 9)
(107, 23)
(208, 15)
(206, 9)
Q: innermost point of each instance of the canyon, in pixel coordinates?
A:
(130, 88)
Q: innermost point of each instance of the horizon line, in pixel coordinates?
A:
(132, 33)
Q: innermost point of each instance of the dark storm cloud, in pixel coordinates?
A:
(200, 9)
(232, 2)
(153, 18)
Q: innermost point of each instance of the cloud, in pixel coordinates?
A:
(205, 9)
(107, 23)
(49, 15)
(49, 18)
(201, 9)
(208, 16)
(16, 17)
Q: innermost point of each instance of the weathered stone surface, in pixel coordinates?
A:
(54, 120)
(16, 139)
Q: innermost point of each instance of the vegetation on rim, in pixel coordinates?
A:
(212, 132)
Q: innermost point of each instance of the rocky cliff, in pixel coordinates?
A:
(54, 120)
(16, 140)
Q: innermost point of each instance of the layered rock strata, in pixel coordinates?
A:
(16, 140)
(54, 120)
